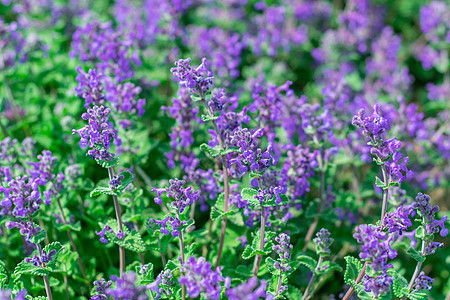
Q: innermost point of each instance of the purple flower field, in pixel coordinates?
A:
(234, 149)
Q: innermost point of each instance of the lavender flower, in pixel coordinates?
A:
(375, 127)
(323, 242)
(379, 285)
(123, 97)
(425, 210)
(90, 87)
(198, 81)
(376, 246)
(200, 279)
(398, 220)
(250, 156)
(102, 234)
(249, 290)
(434, 21)
(42, 260)
(98, 135)
(116, 182)
(101, 286)
(423, 282)
(126, 288)
(182, 197)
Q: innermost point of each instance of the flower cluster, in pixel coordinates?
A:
(101, 286)
(98, 135)
(375, 126)
(423, 282)
(109, 49)
(198, 81)
(323, 242)
(250, 156)
(90, 87)
(200, 279)
(125, 288)
(123, 97)
(42, 260)
(116, 181)
(425, 210)
(182, 197)
(249, 290)
(398, 220)
(298, 168)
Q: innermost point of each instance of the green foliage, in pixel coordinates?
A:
(416, 255)
(131, 241)
(352, 269)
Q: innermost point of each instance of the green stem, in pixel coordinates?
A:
(119, 222)
(258, 257)
(419, 263)
(311, 281)
(180, 239)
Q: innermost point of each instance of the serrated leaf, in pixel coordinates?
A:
(248, 252)
(272, 202)
(128, 178)
(28, 268)
(270, 266)
(229, 150)
(416, 255)
(352, 269)
(146, 277)
(212, 151)
(69, 226)
(417, 296)
(108, 163)
(243, 270)
(131, 241)
(307, 261)
(328, 266)
(102, 190)
(248, 194)
(39, 237)
(53, 246)
(399, 285)
(379, 182)
(420, 232)
(206, 118)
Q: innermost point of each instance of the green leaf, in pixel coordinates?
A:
(249, 194)
(128, 178)
(69, 226)
(399, 285)
(28, 268)
(229, 150)
(270, 266)
(51, 265)
(39, 237)
(352, 269)
(328, 266)
(272, 202)
(294, 264)
(354, 81)
(212, 151)
(248, 252)
(102, 190)
(418, 296)
(420, 232)
(416, 255)
(308, 262)
(108, 163)
(243, 270)
(254, 174)
(147, 277)
(131, 241)
(206, 118)
(3, 274)
(379, 183)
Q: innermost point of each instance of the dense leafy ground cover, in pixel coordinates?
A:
(234, 149)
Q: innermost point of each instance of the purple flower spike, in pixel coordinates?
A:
(198, 81)
(200, 279)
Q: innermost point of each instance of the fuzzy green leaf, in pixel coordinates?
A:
(39, 237)
(270, 266)
(72, 226)
(102, 190)
(379, 183)
(131, 241)
(206, 118)
(352, 269)
(212, 151)
(128, 178)
(249, 194)
(308, 262)
(417, 296)
(416, 255)
(328, 266)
